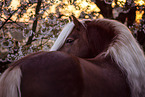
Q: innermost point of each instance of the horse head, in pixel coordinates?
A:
(77, 42)
(87, 39)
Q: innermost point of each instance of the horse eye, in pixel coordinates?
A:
(69, 40)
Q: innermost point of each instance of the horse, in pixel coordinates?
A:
(90, 58)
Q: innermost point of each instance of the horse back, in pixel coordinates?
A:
(57, 74)
(53, 74)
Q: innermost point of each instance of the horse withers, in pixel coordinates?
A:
(90, 58)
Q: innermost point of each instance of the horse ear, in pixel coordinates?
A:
(70, 18)
(77, 23)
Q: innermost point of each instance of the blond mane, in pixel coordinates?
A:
(126, 52)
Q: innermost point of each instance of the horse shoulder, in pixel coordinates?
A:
(51, 74)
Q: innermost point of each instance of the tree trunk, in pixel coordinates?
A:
(106, 9)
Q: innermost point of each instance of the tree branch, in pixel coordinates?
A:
(9, 18)
(12, 15)
(14, 22)
(35, 21)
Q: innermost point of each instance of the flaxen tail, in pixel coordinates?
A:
(10, 82)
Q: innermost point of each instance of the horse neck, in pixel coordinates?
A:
(99, 37)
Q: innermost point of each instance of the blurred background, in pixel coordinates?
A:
(28, 26)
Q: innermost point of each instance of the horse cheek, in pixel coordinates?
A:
(82, 50)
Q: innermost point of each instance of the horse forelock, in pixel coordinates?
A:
(62, 37)
(126, 52)
(64, 34)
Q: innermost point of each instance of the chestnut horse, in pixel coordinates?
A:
(90, 58)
